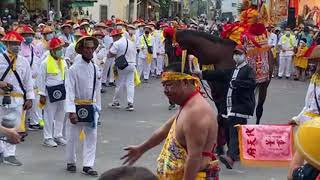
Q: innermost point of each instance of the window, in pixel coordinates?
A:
(103, 12)
(234, 4)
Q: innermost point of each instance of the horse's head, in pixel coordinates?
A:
(207, 48)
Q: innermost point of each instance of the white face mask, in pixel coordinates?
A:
(15, 49)
(132, 31)
(100, 41)
(239, 58)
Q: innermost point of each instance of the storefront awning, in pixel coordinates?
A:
(79, 3)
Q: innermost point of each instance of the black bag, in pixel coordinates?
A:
(121, 62)
(85, 113)
(150, 48)
(56, 93)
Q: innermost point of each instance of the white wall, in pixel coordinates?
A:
(227, 6)
(115, 7)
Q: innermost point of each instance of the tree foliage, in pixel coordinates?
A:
(164, 7)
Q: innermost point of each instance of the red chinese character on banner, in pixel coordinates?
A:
(280, 142)
(252, 142)
(270, 142)
(249, 132)
(252, 152)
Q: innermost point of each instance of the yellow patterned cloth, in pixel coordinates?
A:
(176, 76)
(172, 159)
(299, 59)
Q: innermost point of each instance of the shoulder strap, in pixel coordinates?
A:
(315, 97)
(126, 47)
(16, 75)
(94, 80)
(8, 68)
(32, 56)
(144, 37)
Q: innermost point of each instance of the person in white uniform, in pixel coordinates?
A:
(287, 43)
(123, 47)
(145, 53)
(14, 70)
(83, 85)
(52, 92)
(28, 52)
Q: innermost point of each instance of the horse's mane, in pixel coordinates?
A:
(210, 37)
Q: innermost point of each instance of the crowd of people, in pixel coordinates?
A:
(53, 77)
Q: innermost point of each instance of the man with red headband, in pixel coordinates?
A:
(190, 135)
(17, 97)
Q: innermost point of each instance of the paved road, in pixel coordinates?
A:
(121, 128)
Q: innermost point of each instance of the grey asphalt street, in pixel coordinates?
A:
(120, 128)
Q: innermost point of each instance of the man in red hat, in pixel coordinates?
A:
(52, 93)
(240, 100)
(17, 98)
(28, 52)
(83, 104)
(124, 49)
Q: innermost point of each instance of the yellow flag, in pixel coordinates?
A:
(22, 127)
(82, 135)
(137, 80)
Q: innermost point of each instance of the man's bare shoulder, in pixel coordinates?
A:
(200, 111)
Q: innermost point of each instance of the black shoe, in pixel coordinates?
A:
(89, 171)
(104, 84)
(130, 107)
(287, 77)
(172, 107)
(35, 127)
(71, 167)
(103, 90)
(112, 84)
(220, 150)
(145, 81)
(279, 77)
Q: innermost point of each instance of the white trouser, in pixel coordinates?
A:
(159, 64)
(154, 66)
(285, 66)
(35, 113)
(107, 73)
(125, 79)
(54, 119)
(89, 143)
(16, 113)
(144, 67)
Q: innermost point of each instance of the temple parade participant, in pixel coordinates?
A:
(52, 92)
(184, 155)
(28, 52)
(14, 69)
(83, 86)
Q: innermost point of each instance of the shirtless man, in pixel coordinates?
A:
(190, 135)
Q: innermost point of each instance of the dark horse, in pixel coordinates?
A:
(219, 52)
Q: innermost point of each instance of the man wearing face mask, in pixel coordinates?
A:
(287, 43)
(48, 34)
(146, 53)
(66, 35)
(240, 100)
(14, 69)
(28, 52)
(139, 33)
(52, 92)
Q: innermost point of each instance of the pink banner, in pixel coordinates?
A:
(266, 142)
